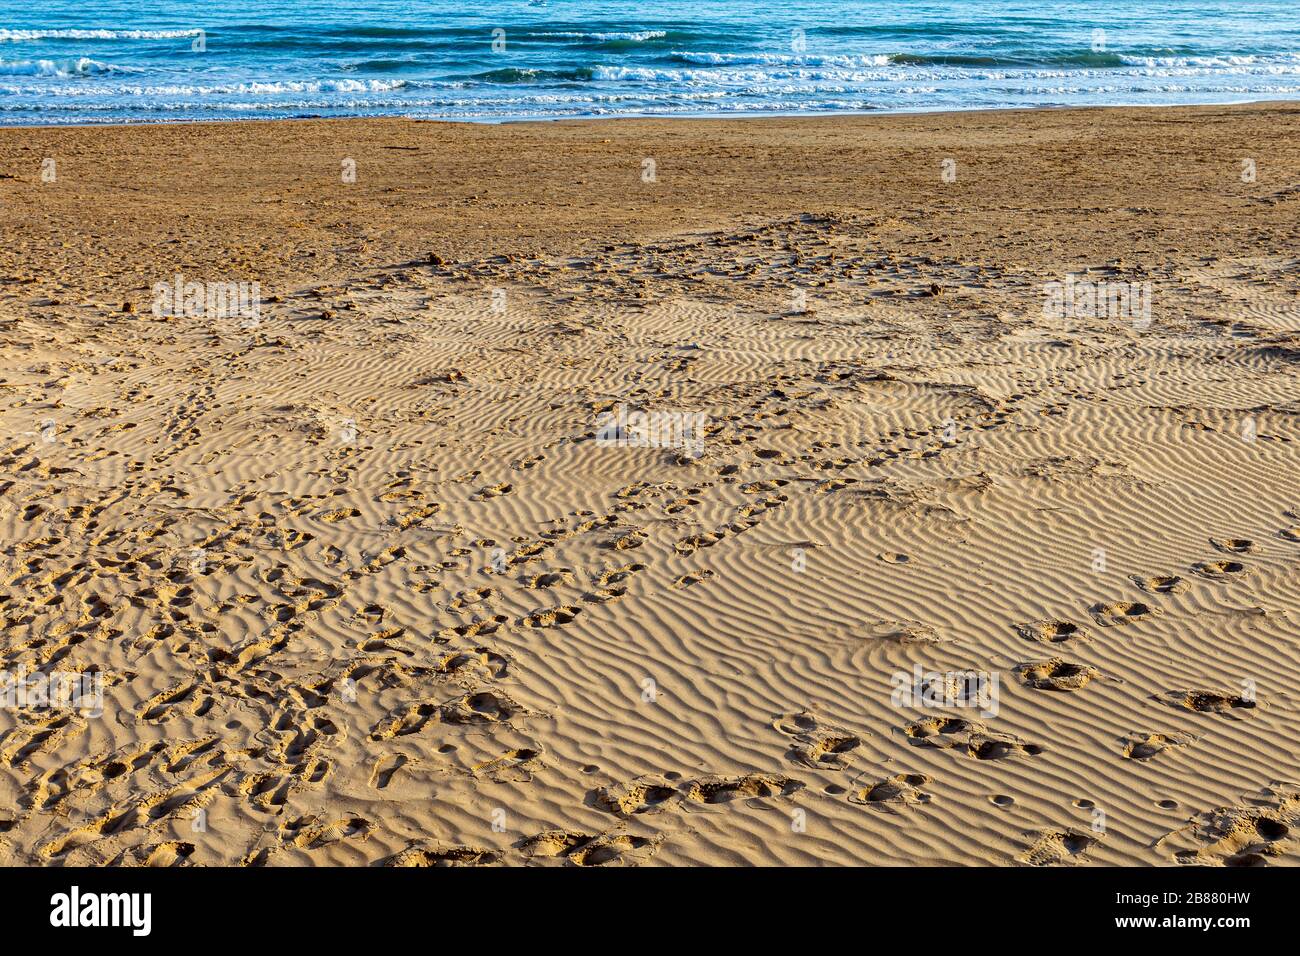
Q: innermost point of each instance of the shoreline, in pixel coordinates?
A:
(706, 117)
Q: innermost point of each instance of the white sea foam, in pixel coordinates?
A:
(306, 86)
(81, 66)
(639, 36)
(781, 59)
(1214, 62)
(732, 77)
(15, 36)
(185, 89)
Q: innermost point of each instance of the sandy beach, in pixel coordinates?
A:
(911, 489)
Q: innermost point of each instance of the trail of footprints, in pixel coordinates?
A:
(1235, 836)
(447, 676)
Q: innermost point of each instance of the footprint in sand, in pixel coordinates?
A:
(1161, 584)
(464, 663)
(1207, 702)
(715, 789)
(189, 698)
(763, 487)
(1146, 746)
(692, 543)
(686, 580)
(439, 855)
(492, 491)
(615, 576)
(1055, 674)
(551, 617)
(518, 764)
(1054, 847)
(169, 853)
(1233, 545)
(902, 632)
(659, 791)
(900, 790)
(1218, 570)
(1052, 631)
(679, 505)
(1121, 612)
(404, 720)
(626, 542)
(471, 596)
(548, 579)
(968, 737)
(582, 849)
(640, 795)
(473, 629)
(385, 769)
(1261, 828)
(816, 743)
(312, 833)
(484, 707)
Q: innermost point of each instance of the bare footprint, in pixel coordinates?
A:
(817, 743)
(1261, 828)
(1146, 746)
(551, 617)
(968, 737)
(385, 768)
(581, 849)
(1052, 632)
(1121, 612)
(548, 579)
(439, 855)
(1206, 702)
(1161, 584)
(640, 795)
(902, 632)
(1234, 545)
(718, 789)
(1218, 570)
(686, 580)
(492, 491)
(1055, 674)
(901, 789)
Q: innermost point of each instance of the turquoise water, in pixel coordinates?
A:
(108, 61)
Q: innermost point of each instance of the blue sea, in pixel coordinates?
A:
(111, 61)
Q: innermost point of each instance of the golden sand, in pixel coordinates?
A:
(548, 511)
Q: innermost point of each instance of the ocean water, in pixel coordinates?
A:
(114, 61)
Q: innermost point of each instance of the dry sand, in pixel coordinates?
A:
(364, 587)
